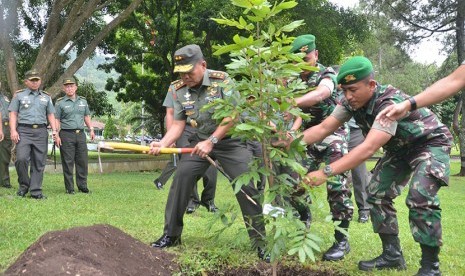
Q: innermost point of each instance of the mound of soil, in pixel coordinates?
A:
(94, 250)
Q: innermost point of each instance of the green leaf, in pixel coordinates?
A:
(302, 255)
(291, 26)
(242, 3)
(286, 5)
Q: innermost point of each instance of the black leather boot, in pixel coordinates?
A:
(391, 258)
(340, 247)
(429, 261)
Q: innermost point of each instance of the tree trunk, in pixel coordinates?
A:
(79, 61)
(5, 44)
(460, 35)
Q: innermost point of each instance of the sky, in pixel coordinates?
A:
(427, 52)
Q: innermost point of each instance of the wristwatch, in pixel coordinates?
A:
(328, 171)
(213, 139)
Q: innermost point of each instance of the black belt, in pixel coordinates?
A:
(33, 126)
(6, 123)
(73, 130)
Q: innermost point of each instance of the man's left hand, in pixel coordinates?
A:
(203, 148)
(315, 178)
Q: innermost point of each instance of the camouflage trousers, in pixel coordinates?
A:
(331, 149)
(428, 169)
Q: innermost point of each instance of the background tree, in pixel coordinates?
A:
(41, 33)
(417, 20)
(111, 131)
(149, 38)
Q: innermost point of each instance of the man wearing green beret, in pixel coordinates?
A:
(197, 87)
(319, 102)
(72, 115)
(416, 153)
(30, 109)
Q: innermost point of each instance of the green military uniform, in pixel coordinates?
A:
(209, 178)
(6, 144)
(32, 108)
(231, 153)
(417, 154)
(73, 150)
(419, 148)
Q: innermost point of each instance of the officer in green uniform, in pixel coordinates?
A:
(5, 142)
(29, 111)
(319, 102)
(72, 114)
(197, 87)
(207, 198)
(416, 152)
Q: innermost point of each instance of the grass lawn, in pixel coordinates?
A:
(130, 202)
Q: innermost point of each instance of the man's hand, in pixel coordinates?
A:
(393, 113)
(14, 136)
(92, 135)
(57, 140)
(203, 148)
(284, 140)
(315, 178)
(1, 135)
(155, 148)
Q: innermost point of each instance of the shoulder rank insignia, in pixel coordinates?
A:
(217, 75)
(59, 99)
(45, 92)
(178, 84)
(19, 91)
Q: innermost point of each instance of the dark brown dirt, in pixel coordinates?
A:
(264, 269)
(106, 250)
(94, 250)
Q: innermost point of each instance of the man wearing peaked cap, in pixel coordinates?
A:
(186, 58)
(416, 153)
(72, 116)
(319, 102)
(30, 110)
(197, 87)
(69, 81)
(32, 75)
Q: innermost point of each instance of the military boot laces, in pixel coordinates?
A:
(391, 258)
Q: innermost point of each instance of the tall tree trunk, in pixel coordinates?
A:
(460, 34)
(5, 44)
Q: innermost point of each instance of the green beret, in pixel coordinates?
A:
(303, 44)
(354, 70)
(186, 58)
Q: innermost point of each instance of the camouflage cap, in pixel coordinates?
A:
(69, 81)
(303, 44)
(354, 70)
(32, 74)
(186, 58)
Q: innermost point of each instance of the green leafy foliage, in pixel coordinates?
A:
(266, 81)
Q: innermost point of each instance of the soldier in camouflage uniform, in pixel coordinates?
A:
(197, 87)
(5, 142)
(416, 149)
(319, 102)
